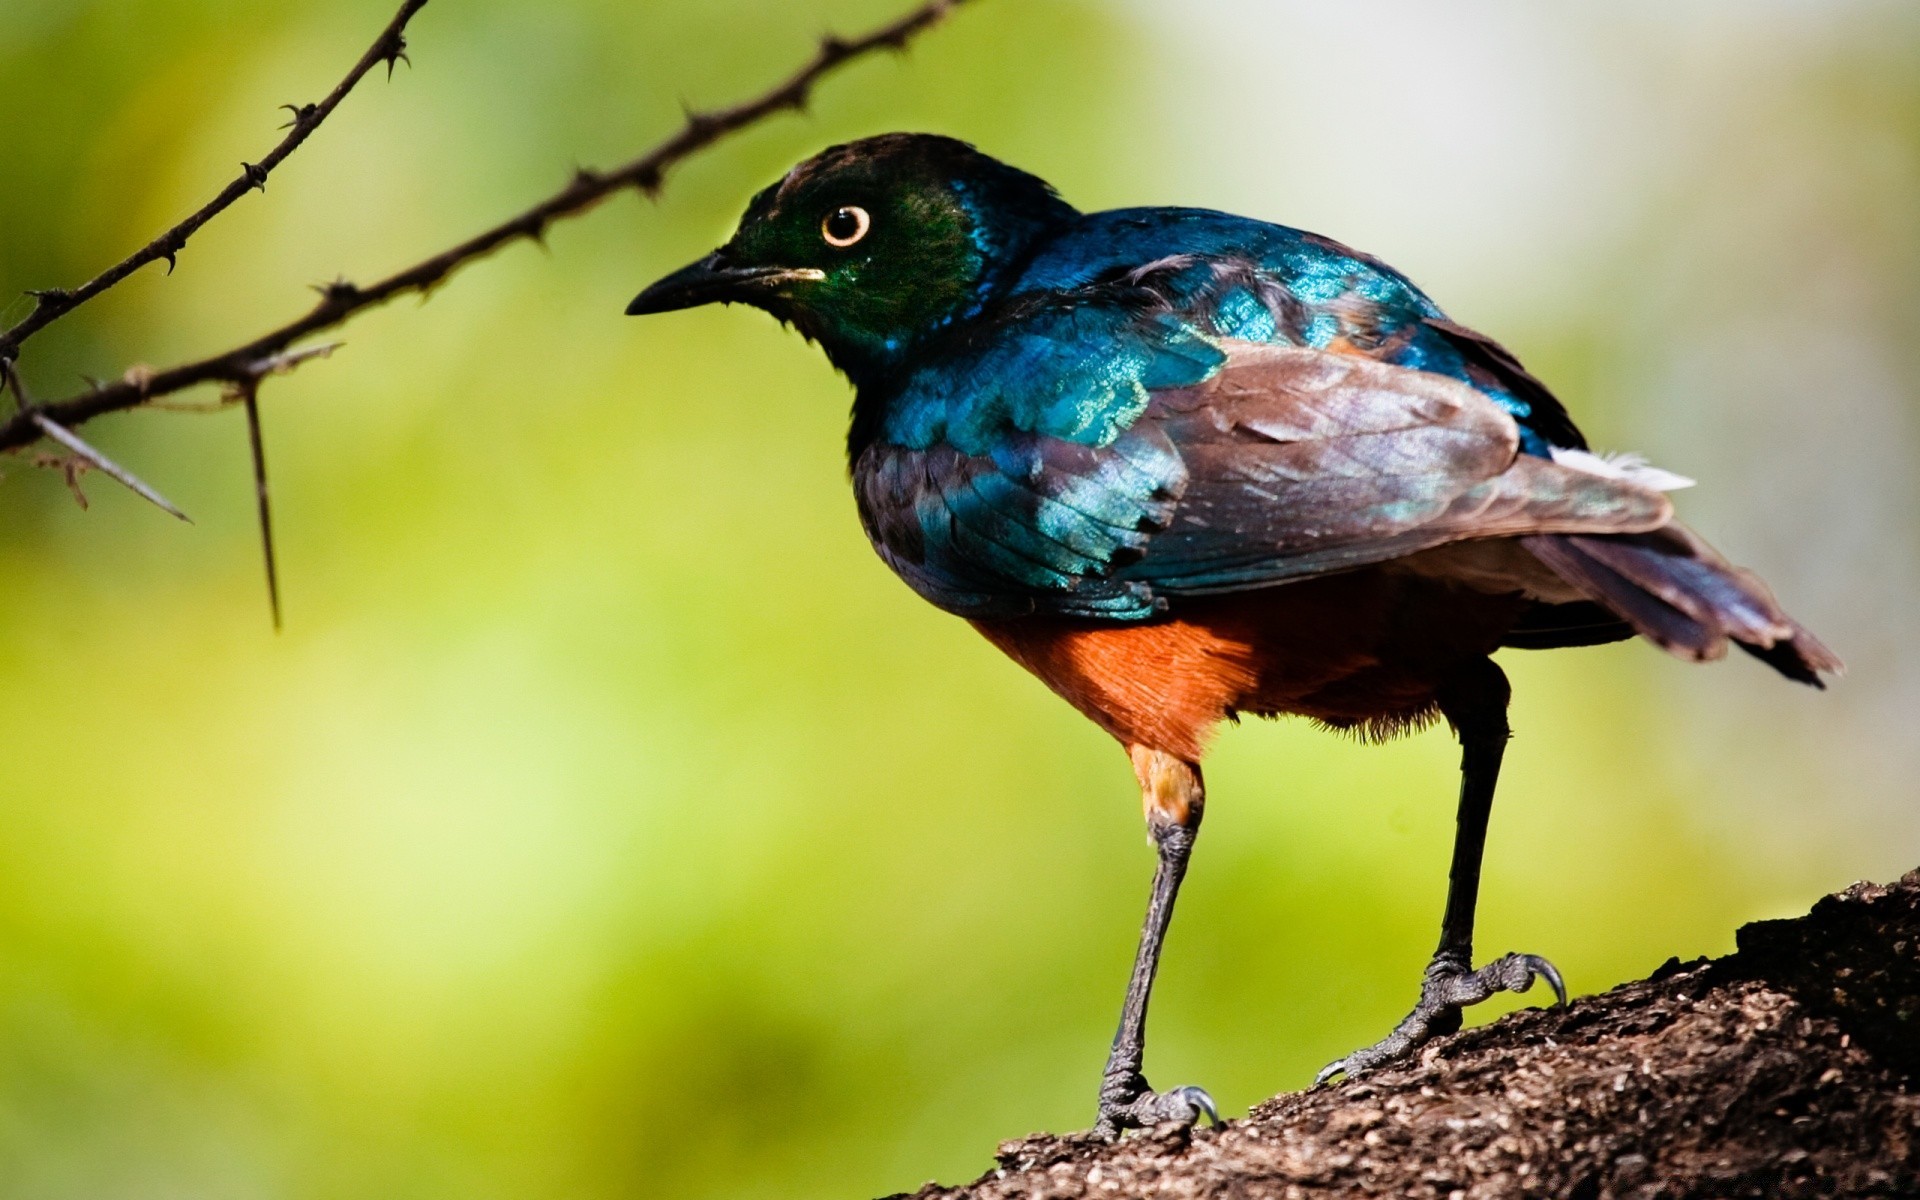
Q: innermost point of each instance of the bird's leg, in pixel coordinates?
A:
(1475, 704)
(1173, 797)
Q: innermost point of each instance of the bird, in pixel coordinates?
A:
(1185, 466)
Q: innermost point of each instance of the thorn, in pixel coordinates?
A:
(834, 47)
(172, 249)
(338, 291)
(72, 441)
(256, 176)
(698, 123)
(51, 298)
(396, 53)
(252, 397)
(434, 282)
(648, 181)
(587, 177)
(93, 385)
(302, 113)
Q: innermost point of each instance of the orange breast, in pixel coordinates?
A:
(1363, 650)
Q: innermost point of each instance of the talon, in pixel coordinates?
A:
(1197, 1098)
(1540, 968)
(1352, 1066)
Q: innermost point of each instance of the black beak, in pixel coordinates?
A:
(711, 279)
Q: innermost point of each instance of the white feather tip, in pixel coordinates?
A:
(1630, 468)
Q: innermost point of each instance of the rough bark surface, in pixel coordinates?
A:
(1788, 1069)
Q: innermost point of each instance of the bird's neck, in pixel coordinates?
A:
(870, 359)
(870, 402)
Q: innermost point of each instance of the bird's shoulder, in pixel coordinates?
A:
(1193, 249)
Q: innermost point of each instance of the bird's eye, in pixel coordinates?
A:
(845, 226)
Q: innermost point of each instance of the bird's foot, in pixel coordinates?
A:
(1126, 1102)
(1449, 986)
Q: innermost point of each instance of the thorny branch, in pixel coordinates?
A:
(52, 304)
(588, 188)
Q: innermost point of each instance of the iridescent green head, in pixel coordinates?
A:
(874, 247)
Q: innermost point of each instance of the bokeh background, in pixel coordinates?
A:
(608, 822)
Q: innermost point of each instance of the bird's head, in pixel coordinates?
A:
(873, 247)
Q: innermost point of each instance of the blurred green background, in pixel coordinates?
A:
(608, 822)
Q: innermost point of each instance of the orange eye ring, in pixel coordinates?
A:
(845, 225)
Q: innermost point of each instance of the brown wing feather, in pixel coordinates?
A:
(1301, 462)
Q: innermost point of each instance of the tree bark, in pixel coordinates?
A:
(1785, 1070)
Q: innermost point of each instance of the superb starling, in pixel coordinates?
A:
(1183, 466)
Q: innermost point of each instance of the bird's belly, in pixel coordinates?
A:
(1364, 651)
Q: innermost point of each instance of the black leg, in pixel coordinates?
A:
(1475, 703)
(1173, 798)
(1479, 717)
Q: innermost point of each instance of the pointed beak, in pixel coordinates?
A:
(709, 280)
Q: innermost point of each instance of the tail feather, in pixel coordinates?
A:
(1790, 659)
(1687, 574)
(1676, 591)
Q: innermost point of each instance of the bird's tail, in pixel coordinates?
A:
(1678, 593)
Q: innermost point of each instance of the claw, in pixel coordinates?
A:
(1542, 969)
(1197, 1098)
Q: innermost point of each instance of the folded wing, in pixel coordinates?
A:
(1284, 463)
(1301, 462)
